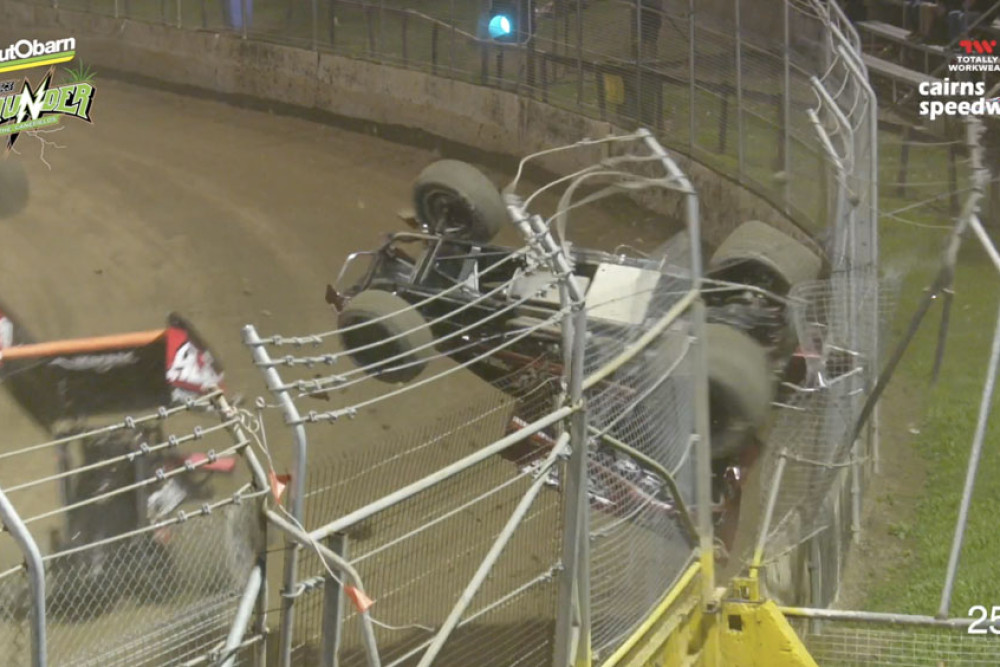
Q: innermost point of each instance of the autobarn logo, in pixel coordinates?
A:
(27, 53)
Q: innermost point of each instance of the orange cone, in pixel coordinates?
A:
(278, 484)
(361, 601)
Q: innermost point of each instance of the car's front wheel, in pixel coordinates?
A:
(386, 336)
(740, 388)
(455, 200)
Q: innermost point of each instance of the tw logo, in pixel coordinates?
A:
(978, 45)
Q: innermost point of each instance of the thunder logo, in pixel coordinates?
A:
(40, 107)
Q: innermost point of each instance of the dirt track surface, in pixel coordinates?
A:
(173, 203)
(169, 203)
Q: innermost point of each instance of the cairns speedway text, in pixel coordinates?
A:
(934, 108)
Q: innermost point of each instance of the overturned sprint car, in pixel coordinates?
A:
(445, 286)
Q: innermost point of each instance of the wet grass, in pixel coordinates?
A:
(940, 434)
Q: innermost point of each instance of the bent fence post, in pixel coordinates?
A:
(36, 577)
(335, 562)
(296, 488)
(244, 614)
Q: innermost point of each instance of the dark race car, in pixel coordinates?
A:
(444, 287)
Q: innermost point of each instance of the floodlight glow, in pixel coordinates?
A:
(499, 26)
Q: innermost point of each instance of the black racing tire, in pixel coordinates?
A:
(740, 388)
(374, 315)
(14, 188)
(455, 200)
(758, 254)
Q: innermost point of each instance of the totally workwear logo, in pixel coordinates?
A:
(26, 53)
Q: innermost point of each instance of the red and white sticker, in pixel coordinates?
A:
(188, 366)
(6, 332)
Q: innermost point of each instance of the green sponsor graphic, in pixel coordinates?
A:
(69, 100)
(29, 125)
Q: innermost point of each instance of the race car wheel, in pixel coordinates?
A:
(758, 254)
(386, 336)
(456, 200)
(740, 388)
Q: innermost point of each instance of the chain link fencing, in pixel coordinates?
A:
(814, 471)
(842, 637)
(471, 524)
(149, 550)
(837, 643)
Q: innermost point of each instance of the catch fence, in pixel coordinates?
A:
(842, 637)
(540, 509)
(148, 558)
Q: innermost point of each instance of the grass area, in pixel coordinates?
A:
(943, 430)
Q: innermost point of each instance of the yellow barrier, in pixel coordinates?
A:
(687, 631)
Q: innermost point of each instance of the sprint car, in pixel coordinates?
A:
(113, 482)
(442, 286)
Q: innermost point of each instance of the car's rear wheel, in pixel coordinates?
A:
(740, 388)
(386, 335)
(456, 200)
(758, 254)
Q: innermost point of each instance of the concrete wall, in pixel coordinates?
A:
(487, 119)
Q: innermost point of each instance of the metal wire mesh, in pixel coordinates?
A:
(148, 553)
(342, 482)
(153, 599)
(845, 644)
(817, 415)
(415, 581)
(638, 543)
(14, 606)
(487, 385)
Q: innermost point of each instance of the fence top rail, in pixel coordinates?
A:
(881, 618)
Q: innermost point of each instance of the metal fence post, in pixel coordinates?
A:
(451, 39)
(244, 616)
(572, 632)
(639, 116)
(692, 107)
(380, 44)
(333, 606)
(970, 475)
(573, 621)
(579, 52)
(740, 133)
(852, 62)
(786, 110)
(36, 577)
(816, 581)
(296, 487)
(980, 177)
(703, 454)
